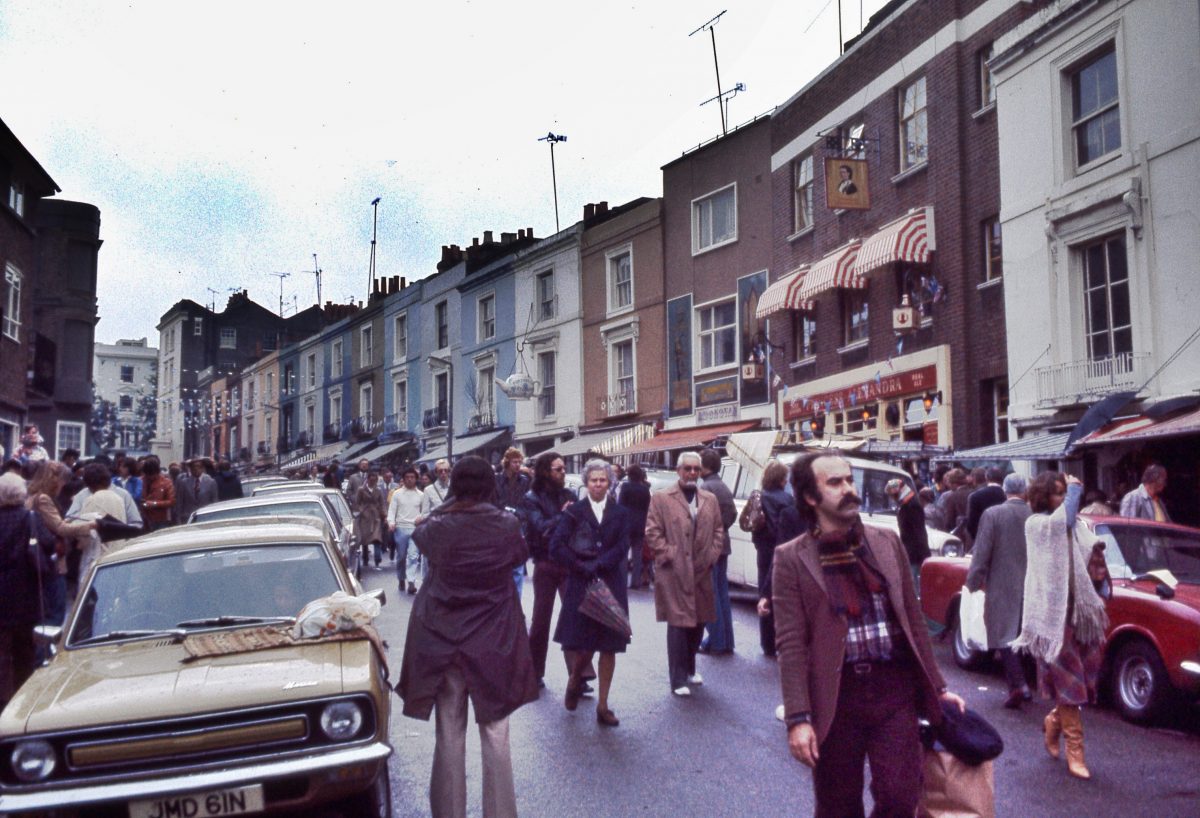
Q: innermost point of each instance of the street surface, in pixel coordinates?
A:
(722, 753)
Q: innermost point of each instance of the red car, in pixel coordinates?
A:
(1152, 651)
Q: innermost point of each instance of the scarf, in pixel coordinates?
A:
(1056, 565)
(847, 569)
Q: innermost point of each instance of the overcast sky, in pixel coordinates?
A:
(226, 141)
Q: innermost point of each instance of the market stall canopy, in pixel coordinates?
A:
(692, 438)
(1035, 447)
(752, 451)
(908, 239)
(834, 271)
(582, 444)
(1145, 427)
(329, 450)
(784, 294)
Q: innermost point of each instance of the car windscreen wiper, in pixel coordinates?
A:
(129, 634)
(214, 621)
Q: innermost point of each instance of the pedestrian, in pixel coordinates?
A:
(511, 485)
(438, 491)
(403, 510)
(928, 500)
(30, 450)
(1096, 503)
(634, 497)
(20, 589)
(359, 478)
(910, 519)
(372, 511)
(129, 478)
(467, 640)
(193, 490)
(998, 567)
(590, 541)
(330, 479)
(158, 495)
(855, 666)
(719, 638)
(952, 503)
(46, 484)
(990, 493)
(229, 486)
(541, 507)
(684, 530)
(773, 532)
(1063, 619)
(1145, 502)
(387, 483)
(102, 501)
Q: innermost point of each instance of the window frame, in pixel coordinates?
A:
(122, 400)
(986, 81)
(132, 372)
(546, 408)
(400, 337)
(335, 411)
(62, 425)
(802, 193)
(336, 357)
(197, 325)
(612, 259)
(547, 306)
(485, 317)
(1110, 331)
(849, 298)
(399, 407)
(366, 404)
(441, 324)
(709, 337)
(16, 197)
(1000, 397)
(228, 338)
(14, 282)
(310, 363)
(803, 351)
(993, 250)
(484, 400)
(910, 159)
(697, 216)
(1078, 121)
(366, 345)
(615, 375)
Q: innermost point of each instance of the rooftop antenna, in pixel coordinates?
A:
(212, 299)
(281, 277)
(374, 236)
(317, 272)
(553, 138)
(710, 26)
(723, 98)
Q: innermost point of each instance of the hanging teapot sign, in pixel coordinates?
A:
(518, 386)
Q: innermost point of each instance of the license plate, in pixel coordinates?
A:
(237, 801)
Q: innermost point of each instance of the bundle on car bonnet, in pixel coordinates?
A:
(337, 612)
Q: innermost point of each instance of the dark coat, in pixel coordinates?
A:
(716, 485)
(998, 566)
(467, 614)
(509, 493)
(229, 487)
(19, 588)
(979, 501)
(910, 517)
(576, 631)
(540, 511)
(952, 507)
(188, 498)
(635, 498)
(783, 524)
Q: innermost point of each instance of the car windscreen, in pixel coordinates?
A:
(870, 484)
(299, 508)
(188, 589)
(1141, 549)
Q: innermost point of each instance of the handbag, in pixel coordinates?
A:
(600, 604)
(585, 541)
(970, 618)
(955, 789)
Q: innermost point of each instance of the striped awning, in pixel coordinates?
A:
(906, 239)
(834, 271)
(784, 294)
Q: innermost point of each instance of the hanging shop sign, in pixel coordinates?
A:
(881, 386)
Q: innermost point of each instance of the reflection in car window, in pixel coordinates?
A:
(303, 508)
(157, 593)
(1144, 548)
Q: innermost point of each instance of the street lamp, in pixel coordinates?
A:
(445, 362)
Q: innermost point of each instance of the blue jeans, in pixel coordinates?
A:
(720, 633)
(519, 578)
(410, 565)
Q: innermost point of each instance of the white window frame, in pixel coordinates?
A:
(802, 193)
(612, 259)
(708, 336)
(847, 315)
(336, 360)
(1105, 49)
(485, 324)
(366, 344)
(993, 236)
(59, 428)
(310, 423)
(132, 373)
(335, 411)
(1110, 330)
(16, 198)
(615, 376)
(800, 320)
(987, 82)
(13, 281)
(440, 377)
(913, 120)
(1000, 398)
(270, 392)
(484, 400)
(441, 310)
(547, 307)
(400, 337)
(197, 327)
(546, 407)
(122, 400)
(366, 403)
(400, 407)
(228, 338)
(310, 361)
(699, 216)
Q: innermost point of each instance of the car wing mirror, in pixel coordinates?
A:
(1164, 591)
(377, 593)
(48, 636)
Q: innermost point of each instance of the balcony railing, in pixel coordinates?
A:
(333, 431)
(619, 403)
(283, 445)
(1075, 381)
(478, 422)
(434, 418)
(395, 422)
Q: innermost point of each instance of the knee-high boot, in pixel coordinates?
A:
(1052, 729)
(1072, 728)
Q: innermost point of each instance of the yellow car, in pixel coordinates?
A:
(165, 696)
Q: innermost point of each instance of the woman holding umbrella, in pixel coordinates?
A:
(591, 540)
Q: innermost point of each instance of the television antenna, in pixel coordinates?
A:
(723, 98)
(710, 27)
(316, 270)
(281, 277)
(553, 138)
(374, 236)
(212, 299)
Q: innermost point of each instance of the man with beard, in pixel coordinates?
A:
(855, 661)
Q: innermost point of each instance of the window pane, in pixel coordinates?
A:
(706, 317)
(1122, 341)
(1097, 310)
(1120, 305)
(1099, 343)
(723, 216)
(725, 313)
(727, 351)
(1110, 127)
(1094, 261)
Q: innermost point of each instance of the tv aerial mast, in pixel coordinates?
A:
(281, 277)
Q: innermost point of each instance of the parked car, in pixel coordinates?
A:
(285, 486)
(251, 483)
(124, 720)
(1152, 649)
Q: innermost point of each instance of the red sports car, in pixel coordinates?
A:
(1152, 652)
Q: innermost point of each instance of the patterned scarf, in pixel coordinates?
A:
(846, 566)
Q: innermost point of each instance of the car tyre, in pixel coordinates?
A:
(373, 802)
(1140, 688)
(964, 656)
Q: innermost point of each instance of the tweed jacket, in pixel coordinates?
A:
(683, 554)
(998, 565)
(811, 638)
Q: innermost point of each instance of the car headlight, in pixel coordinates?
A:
(33, 760)
(341, 721)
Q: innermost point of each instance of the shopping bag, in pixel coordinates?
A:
(955, 789)
(600, 604)
(970, 619)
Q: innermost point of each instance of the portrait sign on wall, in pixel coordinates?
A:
(679, 356)
(846, 184)
(754, 346)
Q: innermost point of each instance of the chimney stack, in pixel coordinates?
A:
(589, 211)
(487, 236)
(601, 208)
(508, 238)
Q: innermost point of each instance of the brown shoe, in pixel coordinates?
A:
(606, 718)
(1072, 728)
(571, 697)
(1052, 729)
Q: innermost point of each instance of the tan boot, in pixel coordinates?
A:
(1052, 728)
(1072, 728)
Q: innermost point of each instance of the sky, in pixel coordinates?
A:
(227, 141)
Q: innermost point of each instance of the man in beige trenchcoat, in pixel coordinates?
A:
(683, 529)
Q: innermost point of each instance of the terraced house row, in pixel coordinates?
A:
(969, 228)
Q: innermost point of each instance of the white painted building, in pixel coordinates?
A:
(1099, 159)
(124, 374)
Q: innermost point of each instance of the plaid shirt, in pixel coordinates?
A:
(871, 635)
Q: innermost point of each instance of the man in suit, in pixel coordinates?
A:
(194, 489)
(684, 531)
(855, 661)
(998, 566)
(987, 495)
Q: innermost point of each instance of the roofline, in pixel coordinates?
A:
(37, 166)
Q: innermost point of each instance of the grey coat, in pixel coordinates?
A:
(998, 565)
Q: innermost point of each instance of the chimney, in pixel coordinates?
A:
(487, 236)
(395, 284)
(508, 238)
(589, 211)
(601, 208)
(475, 241)
(403, 283)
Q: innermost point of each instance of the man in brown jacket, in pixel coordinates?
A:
(854, 657)
(683, 529)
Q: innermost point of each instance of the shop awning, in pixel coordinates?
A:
(298, 461)
(329, 450)
(686, 438)
(1141, 428)
(353, 451)
(784, 294)
(835, 271)
(1034, 447)
(906, 239)
(383, 451)
(582, 444)
(467, 444)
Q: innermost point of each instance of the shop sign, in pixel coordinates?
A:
(929, 433)
(880, 387)
(723, 390)
(716, 414)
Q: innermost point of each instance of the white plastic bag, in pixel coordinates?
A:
(337, 612)
(970, 619)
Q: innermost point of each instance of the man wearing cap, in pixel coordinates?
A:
(910, 517)
(855, 663)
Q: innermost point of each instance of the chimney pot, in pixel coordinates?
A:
(589, 210)
(507, 238)
(602, 207)
(475, 241)
(487, 236)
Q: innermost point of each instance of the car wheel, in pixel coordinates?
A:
(1140, 687)
(374, 802)
(965, 656)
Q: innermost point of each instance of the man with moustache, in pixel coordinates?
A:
(855, 661)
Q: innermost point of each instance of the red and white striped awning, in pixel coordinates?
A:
(784, 294)
(834, 271)
(906, 239)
